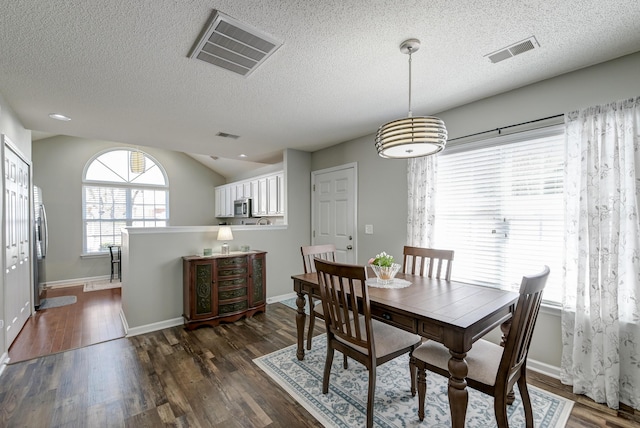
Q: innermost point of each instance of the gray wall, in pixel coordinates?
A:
(58, 165)
(607, 82)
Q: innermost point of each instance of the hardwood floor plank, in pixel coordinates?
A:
(174, 377)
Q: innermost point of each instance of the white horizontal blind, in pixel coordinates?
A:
(499, 205)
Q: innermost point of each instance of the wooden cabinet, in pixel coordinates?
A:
(223, 288)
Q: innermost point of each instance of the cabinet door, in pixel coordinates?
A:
(262, 197)
(203, 299)
(257, 279)
(246, 189)
(272, 195)
(221, 209)
(255, 196)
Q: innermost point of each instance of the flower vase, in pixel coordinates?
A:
(385, 274)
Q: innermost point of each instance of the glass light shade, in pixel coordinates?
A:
(137, 162)
(411, 137)
(224, 234)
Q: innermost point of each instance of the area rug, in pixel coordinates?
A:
(345, 404)
(54, 302)
(101, 285)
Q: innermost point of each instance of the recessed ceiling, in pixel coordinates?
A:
(122, 72)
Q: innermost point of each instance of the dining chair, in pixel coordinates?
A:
(351, 329)
(416, 259)
(115, 252)
(493, 369)
(309, 253)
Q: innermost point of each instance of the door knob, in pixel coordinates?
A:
(349, 247)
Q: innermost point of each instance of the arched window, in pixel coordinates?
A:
(121, 187)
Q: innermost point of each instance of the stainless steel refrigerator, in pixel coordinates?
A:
(41, 243)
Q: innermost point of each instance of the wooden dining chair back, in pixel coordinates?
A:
(493, 369)
(350, 327)
(427, 262)
(309, 253)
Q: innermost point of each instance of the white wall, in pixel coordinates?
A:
(602, 83)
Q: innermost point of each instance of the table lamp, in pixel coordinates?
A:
(224, 234)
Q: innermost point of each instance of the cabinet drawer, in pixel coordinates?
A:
(231, 262)
(390, 317)
(232, 307)
(232, 271)
(233, 293)
(232, 282)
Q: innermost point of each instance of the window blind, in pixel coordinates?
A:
(499, 205)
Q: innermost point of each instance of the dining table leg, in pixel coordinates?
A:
(458, 394)
(300, 322)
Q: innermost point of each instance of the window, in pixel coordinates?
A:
(115, 197)
(499, 204)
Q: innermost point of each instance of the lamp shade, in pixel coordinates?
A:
(224, 234)
(137, 162)
(411, 137)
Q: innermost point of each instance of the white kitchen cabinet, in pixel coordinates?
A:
(275, 195)
(263, 197)
(266, 192)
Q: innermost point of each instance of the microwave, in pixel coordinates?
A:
(242, 208)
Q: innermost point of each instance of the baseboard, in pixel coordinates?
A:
(544, 368)
(74, 282)
(148, 328)
(281, 297)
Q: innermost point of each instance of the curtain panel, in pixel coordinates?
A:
(601, 302)
(421, 187)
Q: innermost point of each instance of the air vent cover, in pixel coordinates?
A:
(513, 50)
(232, 45)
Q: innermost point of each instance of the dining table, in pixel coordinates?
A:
(453, 313)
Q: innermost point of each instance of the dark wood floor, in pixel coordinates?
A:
(94, 318)
(180, 378)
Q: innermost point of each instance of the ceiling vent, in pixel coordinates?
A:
(232, 45)
(513, 50)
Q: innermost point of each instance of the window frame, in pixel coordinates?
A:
(127, 186)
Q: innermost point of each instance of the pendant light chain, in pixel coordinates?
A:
(410, 112)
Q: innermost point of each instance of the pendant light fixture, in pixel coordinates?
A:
(411, 137)
(136, 162)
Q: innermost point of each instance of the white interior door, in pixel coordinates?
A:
(17, 239)
(333, 212)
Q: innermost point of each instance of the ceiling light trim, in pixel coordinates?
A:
(233, 45)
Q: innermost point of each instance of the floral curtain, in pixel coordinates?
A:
(601, 303)
(421, 182)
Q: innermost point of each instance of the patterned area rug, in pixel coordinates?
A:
(345, 404)
(101, 285)
(54, 302)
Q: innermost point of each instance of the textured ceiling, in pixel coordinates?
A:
(120, 69)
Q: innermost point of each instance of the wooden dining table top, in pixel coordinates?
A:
(453, 304)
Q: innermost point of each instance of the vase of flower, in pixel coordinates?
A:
(384, 268)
